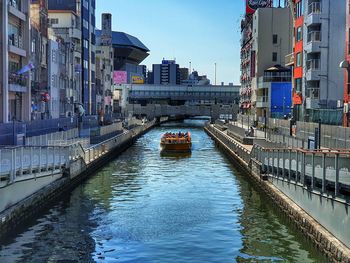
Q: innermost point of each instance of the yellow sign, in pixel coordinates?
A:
(137, 80)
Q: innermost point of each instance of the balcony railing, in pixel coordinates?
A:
(313, 64)
(275, 79)
(15, 3)
(289, 59)
(314, 36)
(16, 40)
(315, 8)
(17, 80)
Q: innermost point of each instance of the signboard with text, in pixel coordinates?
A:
(120, 77)
(253, 5)
(137, 80)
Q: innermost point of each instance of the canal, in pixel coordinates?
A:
(144, 207)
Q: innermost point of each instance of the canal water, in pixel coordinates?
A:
(145, 207)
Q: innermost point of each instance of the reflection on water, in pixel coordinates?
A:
(146, 207)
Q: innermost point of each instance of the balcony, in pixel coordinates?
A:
(289, 60)
(313, 64)
(74, 33)
(17, 83)
(262, 102)
(16, 9)
(314, 14)
(265, 82)
(314, 8)
(16, 45)
(314, 36)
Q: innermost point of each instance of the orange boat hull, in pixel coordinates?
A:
(176, 147)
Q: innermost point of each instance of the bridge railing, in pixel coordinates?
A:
(322, 170)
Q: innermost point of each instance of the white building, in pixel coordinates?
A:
(15, 94)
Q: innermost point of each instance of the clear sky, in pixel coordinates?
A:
(201, 31)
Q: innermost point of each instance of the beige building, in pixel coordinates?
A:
(266, 40)
(65, 24)
(15, 95)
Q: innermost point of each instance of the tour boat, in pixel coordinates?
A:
(176, 142)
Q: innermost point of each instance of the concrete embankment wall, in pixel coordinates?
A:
(312, 229)
(40, 193)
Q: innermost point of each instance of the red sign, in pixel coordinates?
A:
(297, 98)
(253, 5)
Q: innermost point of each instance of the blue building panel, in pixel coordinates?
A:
(281, 99)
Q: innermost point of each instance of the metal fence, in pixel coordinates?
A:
(22, 163)
(317, 170)
(51, 138)
(230, 143)
(279, 130)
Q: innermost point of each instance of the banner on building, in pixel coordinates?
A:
(297, 98)
(137, 80)
(253, 5)
(120, 77)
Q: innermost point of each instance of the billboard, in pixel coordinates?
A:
(253, 5)
(120, 77)
(137, 80)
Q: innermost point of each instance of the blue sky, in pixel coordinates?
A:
(200, 31)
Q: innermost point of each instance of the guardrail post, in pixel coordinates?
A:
(284, 164)
(47, 158)
(323, 173)
(302, 175)
(40, 159)
(21, 169)
(297, 166)
(278, 163)
(290, 165)
(15, 165)
(336, 184)
(313, 171)
(13, 171)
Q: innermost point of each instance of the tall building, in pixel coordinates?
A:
(264, 47)
(39, 58)
(15, 66)
(318, 91)
(84, 10)
(184, 74)
(65, 26)
(104, 67)
(166, 73)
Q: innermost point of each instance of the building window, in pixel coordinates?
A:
(299, 9)
(54, 21)
(274, 56)
(298, 60)
(298, 83)
(274, 39)
(299, 35)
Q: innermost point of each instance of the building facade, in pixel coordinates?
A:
(166, 73)
(39, 57)
(318, 91)
(346, 67)
(65, 27)
(84, 10)
(15, 66)
(104, 67)
(262, 48)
